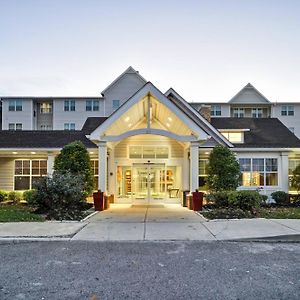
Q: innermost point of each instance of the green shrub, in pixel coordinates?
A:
(220, 199)
(245, 200)
(227, 213)
(3, 196)
(281, 197)
(28, 196)
(15, 197)
(61, 197)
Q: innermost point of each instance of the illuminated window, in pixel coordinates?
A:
(46, 108)
(259, 171)
(148, 152)
(233, 136)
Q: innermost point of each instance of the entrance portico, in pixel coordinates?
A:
(149, 149)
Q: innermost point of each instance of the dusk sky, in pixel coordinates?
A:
(205, 50)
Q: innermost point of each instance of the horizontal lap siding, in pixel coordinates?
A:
(176, 148)
(6, 174)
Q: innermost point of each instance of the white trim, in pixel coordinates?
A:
(129, 70)
(115, 138)
(210, 127)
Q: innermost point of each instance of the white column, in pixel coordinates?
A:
(102, 170)
(111, 170)
(194, 166)
(284, 171)
(50, 163)
(185, 170)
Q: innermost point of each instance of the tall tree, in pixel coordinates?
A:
(223, 170)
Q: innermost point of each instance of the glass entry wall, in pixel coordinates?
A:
(148, 182)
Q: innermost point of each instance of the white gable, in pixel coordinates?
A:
(249, 95)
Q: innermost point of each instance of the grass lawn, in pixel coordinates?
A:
(280, 213)
(18, 213)
(263, 212)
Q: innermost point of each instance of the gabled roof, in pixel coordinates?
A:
(42, 139)
(263, 133)
(129, 70)
(249, 87)
(191, 118)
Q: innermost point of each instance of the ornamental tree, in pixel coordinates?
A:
(223, 170)
(75, 159)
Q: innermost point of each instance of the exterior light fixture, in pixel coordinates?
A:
(92, 152)
(168, 124)
(170, 119)
(33, 152)
(126, 119)
(15, 152)
(129, 125)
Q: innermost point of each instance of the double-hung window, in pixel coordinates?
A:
(69, 126)
(95, 169)
(15, 126)
(69, 105)
(259, 171)
(15, 105)
(92, 105)
(203, 171)
(115, 104)
(45, 108)
(287, 110)
(257, 112)
(215, 110)
(238, 112)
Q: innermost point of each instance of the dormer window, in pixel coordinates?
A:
(235, 137)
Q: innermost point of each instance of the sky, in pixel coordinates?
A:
(206, 50)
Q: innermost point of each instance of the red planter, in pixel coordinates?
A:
(98, 201)
(197, 201)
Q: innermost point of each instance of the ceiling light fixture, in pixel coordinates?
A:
(126, 119)
(33, 152)
(15, 152)
(168, 124)
(129, 125)
(170, 119)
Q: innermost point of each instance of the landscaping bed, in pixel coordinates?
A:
(18, 213)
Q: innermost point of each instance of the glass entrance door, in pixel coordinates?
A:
(148, 183)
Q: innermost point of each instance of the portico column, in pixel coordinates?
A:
(194, 166)
(284, 171)
(50, 163)
(102, 170)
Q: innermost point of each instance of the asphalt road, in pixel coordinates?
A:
(144, 270)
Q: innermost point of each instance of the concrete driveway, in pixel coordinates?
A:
(142, 222)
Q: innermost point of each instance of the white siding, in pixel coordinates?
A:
(78, 116)
(288, 121)
(25, 116)
(6, 174)
(249, 96)
(122, 90)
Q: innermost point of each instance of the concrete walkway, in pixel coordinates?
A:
(173, 222)
(167, 222)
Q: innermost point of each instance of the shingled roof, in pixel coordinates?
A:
(263, 132)
(92, 123)
(42, 139)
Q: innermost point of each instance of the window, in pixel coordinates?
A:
(257, 112)
(233, 136)
(203, 164)
(15, 105)
(69, 126)
(259, 171)
(115, 104)
(287, 110)
(28, 173)
(46, 127)
(215, 110)
(148, 152)
(15, 126)
(69, 105)
(92, 105)
(46, 108)
(95, 166)
(293, 163)
(238, 112)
